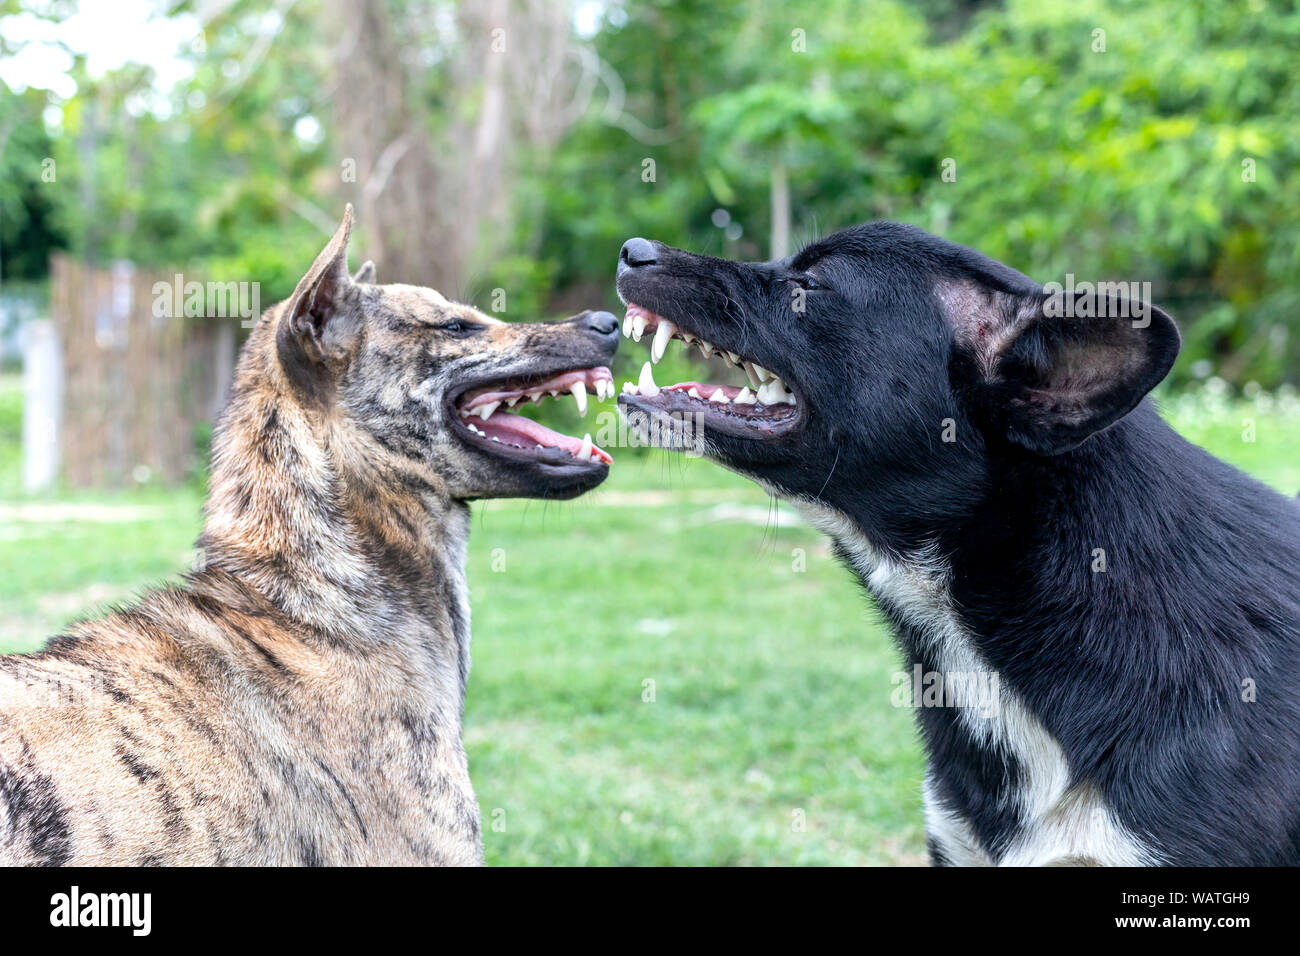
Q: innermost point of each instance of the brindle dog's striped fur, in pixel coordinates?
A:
(299, 699)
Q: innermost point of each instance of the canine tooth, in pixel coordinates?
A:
(720, 397)
(638, 327)
(663, 332)
(627, 326)
(485, 411)
(694, 392)
(647, 385)
(585, 451)
(746, 397)
(775, 393)
(579, 390)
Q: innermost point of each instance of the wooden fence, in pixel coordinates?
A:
(137, 387)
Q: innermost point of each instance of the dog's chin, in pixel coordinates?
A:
(548, 482)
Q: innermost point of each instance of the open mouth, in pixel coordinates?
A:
(483, 412)
(761, 408)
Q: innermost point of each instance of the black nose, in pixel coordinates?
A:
(602, 323)
(637, 252)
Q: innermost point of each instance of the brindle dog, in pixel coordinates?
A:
(298, 700)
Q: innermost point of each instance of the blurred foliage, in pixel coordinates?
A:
(1141, 141)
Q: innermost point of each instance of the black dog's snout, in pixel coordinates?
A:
(637, 252)
(602, 323)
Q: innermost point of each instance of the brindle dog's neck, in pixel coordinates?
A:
(362, 552)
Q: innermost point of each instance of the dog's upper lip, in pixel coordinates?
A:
(595, 379)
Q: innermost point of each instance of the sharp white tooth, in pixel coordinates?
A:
(706, 348)
(735, 359)
(494, 438)
(647, 384)
(627, 326)
(752, 375)
(763, 374)
(775, 393)
(638, 327)
(663, 332)
(510, 402)
(534, 396)
(585, 451)
(694, 392)
(540, 445)
(579, 390)
(554, 392)
(720, 397)
(630, 389)
(485, 411)
(686, 337)
(746, 397)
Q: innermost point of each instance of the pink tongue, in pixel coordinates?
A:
(526, 433)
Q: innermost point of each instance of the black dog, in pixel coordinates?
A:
(982, 453)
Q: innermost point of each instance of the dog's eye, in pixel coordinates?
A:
(808, 282)
(460, 327)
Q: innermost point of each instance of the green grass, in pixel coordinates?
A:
(770, 737)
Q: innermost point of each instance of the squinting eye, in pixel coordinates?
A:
(808, 282)
(459, 327)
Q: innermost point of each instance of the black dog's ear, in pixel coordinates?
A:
(317, 314)
(1053, 368)
(366, 274)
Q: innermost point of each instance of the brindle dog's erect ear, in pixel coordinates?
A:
(318, 316)
(366, 274)
(1056, 367)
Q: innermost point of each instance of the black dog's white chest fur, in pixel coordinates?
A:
(1051, 821)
